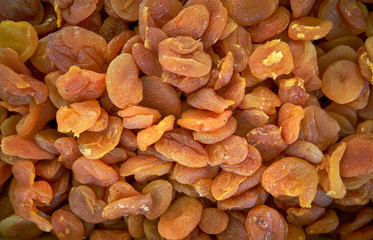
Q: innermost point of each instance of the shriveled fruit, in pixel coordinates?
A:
(338, 77)
(213, 221)
(184, 56)
(292, 177)
(181, 218)
(272, 59)
(263, 222)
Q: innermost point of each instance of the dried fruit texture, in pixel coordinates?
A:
(191, 176)
(202, 120)
(16, 227)
(271, 26)
(226, 184)
(236, 227)
(80, 85)
(367, 113)
(141, 164)
(153, 133)
(305, 59)
(293, 91)
(249, 119)
(224, 71)
(330, 178)
(235, 90)
(76, 11)
(85, 204)
(181, 218)
(79, 117)
(132, 205)
(156, 13)
(95, 145)
(263, 222)
(25, 193)
(305, 150)
(238, 43)
(116, 44)
(218, 20)
(136, 117)
(183, 188)
(207, 99)
(94, 171)
(67, 225)
(338, 77)
(21, 85)
(54, 95)
(327, 224)
(268, 140)
(261, 98)
(161, 192)
(100, 234)
(363, 217)
(161, 96)
(179, 146)
(185, 84)
(145, 60)
(289, 118)
(365, 127)
(232, 150)
(11, 59)
(68, 150)
(340, 52)
(250, 12)
(213, 221)
(119, 190)
(22, 147)
(291, 176)
(309, 28)
(328, 10)
(37, 118)
(19, 36)
(74, 46)
(304, 216)
(363, 233)
(191, 21)
(122, 81)
(357, 157)
(272, 59)
(184, 56)
(295, 232)
(246, 200)
(301, 8)
(128, 10)
(324, 133)
(218, 135)
(247, 167)
(353, 15)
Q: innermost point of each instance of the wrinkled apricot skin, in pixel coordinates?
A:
(272, 59)
(263, 222)
(124, 86)
(180, 218)
(184, 56)
(292, 177)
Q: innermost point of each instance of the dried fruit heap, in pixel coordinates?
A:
(195, 120)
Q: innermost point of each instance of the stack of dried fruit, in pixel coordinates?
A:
(198, 119)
